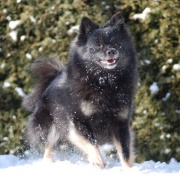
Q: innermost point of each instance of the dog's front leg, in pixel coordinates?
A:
(123, 142)
(83, 139)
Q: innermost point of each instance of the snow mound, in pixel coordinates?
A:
(15, 168)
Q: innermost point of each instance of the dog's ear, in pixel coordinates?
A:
(116, 20)
(86, 29)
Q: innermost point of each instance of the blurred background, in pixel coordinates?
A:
(33, 28)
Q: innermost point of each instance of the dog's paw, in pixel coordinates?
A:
(96, 161)
(100, 165)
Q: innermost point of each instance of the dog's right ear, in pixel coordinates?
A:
(117, 20)
(86, 29)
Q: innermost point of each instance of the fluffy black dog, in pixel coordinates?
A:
(89, 101)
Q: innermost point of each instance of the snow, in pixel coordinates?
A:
(13, 35)
(176, 67)
(107, 7)
(20, 92)
(6, 84)
(2, 65)
(28, 56)
(166, 97)
(15, 168)
(73, 29)
(177, 111)
(170, 60)
(164, 67)
(53, 8)
(14, 24)
(154, 88)
(143, 15)
(33, 20)
(146, 62)
(40, 49)
(23, 37)
(4, 11)
(8, 18)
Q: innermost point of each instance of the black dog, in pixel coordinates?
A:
(89, 101)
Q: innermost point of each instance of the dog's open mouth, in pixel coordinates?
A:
(109, 62)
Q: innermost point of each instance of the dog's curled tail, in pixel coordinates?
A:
(44, 70)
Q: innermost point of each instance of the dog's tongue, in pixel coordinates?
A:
(111, 61)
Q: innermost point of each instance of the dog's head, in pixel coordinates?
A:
(109, 47)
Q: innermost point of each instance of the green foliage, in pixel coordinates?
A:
(157, 115)
(47, 28)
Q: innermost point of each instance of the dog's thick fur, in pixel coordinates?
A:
(89, 101)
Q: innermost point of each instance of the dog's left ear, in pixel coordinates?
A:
(86, 28)
(116, 20)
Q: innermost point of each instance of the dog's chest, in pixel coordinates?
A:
(88, 108)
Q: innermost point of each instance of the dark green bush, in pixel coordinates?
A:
(157, 116)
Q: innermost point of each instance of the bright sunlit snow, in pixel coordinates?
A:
(176, 67)
(13, 35)
(14, 24)
(28, 56)
(154, 88)
(73, 29)
(143, 15)
(11, 167)
(20, 92)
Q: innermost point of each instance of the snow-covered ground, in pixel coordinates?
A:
(74, 167)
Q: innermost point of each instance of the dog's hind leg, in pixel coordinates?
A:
(123, 142)
(51, 141)
(86, 146)
(48, 153)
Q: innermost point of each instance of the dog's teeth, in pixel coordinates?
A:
(109, 61)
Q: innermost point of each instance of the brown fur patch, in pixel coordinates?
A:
(48, 154)
(91, 150)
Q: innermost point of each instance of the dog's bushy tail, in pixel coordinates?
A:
(44, 70)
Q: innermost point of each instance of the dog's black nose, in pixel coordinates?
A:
(111, 52)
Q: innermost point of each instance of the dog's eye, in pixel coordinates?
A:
(98, 45)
